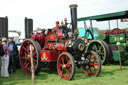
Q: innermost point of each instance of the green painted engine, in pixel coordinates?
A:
(114, 38)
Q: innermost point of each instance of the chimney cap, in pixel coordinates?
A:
(73, 6)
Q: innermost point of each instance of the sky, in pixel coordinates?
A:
(46, 12)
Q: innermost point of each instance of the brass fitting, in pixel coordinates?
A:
(73, 6)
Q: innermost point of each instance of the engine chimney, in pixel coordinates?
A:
(73, 9)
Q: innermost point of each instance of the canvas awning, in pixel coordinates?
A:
(109, 16)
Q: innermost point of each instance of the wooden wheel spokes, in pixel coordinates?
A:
(93, 67)
(25, 49)
(99, 48)
(95, 47)
(62, 59)
(25, 57)
(68, 73)
(26, 65)
(65, 67)
(92, 60)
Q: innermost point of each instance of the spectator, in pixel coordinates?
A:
(13, 53)
(1, 46)
(5, 59)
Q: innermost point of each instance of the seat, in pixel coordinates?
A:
(116, 31)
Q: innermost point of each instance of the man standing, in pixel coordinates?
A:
(13, 53)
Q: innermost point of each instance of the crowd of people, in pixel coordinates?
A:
(8, 52)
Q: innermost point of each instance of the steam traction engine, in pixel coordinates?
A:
(59, 48)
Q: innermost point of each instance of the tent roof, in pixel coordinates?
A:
(109, 16)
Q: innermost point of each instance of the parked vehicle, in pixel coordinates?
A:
(110, 38)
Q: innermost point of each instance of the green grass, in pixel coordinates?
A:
(110, 75)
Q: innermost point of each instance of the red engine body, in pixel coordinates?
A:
(40, 37)
(52, 43)
(47, 55)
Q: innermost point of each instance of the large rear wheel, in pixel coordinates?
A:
(25, 56)
(99, 47)
(109, 52)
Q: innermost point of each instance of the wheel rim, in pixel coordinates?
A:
(93, 67)
(109, 54)
(25, 58)
(100, 49)
(65, 67)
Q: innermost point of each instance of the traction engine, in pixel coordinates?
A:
(59, 48)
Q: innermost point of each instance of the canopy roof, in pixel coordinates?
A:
(109, 16)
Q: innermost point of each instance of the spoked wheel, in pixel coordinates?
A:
(100, 49)
(66, 66)
(25, 56)
(109, 52)
(94, 64)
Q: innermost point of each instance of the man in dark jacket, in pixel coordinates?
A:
(13, 53)
(0, 56)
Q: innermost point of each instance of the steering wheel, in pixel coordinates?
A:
(88, 33)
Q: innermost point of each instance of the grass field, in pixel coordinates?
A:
(110, 75)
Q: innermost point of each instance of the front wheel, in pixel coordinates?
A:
(66, 66)
(93, 67)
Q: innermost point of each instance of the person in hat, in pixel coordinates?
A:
(13, 53)
(5, 59)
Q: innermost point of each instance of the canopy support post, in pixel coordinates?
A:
(109, 26)
(85, 25)
(117, 23)
(91, 26)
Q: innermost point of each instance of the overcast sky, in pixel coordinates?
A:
(45, 12)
